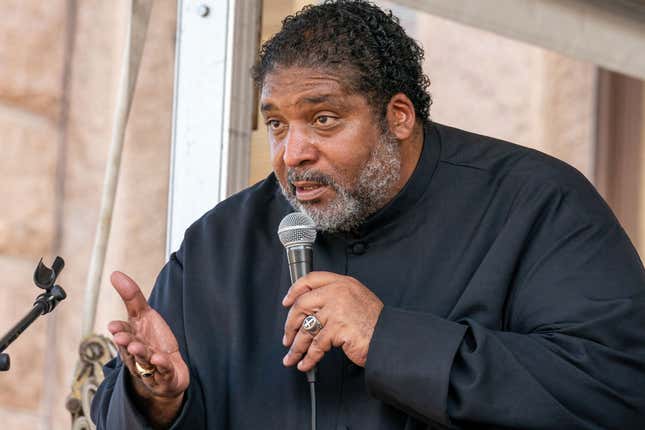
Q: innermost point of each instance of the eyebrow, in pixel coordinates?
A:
(306, 100)
(314, 100)
(266, 106)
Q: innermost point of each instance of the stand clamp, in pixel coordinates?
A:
(44, 278)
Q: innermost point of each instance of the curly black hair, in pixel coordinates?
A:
(358, 40)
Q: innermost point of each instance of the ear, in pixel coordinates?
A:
(401, 116)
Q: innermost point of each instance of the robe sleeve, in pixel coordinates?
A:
(113, 407)
(569, 350)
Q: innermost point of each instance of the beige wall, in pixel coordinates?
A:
(42, 152)
(31, 68)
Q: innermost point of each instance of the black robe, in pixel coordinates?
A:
(513, 299)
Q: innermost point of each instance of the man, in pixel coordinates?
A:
(460, 281)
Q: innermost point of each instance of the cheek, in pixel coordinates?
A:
(275, 148)
(355, 147)
(277, 163)
(348, 161)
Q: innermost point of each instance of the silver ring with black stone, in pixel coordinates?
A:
(312, 325)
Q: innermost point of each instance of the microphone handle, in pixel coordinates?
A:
(301, 259)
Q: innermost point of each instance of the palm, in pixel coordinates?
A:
(147, 339)
(153, 331)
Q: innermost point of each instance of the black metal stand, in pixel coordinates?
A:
(5, 362)
(44, 278)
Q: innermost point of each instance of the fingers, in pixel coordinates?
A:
(162, 362)
(347, 309)
(123, 339)
(140, 352)
(308, 283)
(307, 297)
(128, 343)
(126, 358)
(170, 376)
(133, 347)
(134, 300)
(117, 326)
(319, 346)
(302, 340)
(298, 349)
(131, 351)
(312, 348)
(130, 347)
(307, 304)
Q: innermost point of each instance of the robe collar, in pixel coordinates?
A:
(411, 193)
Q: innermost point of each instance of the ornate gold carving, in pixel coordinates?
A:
(94, 352)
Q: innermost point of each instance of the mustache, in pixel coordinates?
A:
(294, 175)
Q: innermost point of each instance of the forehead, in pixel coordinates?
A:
(293, 86)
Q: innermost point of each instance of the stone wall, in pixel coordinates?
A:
(31, 75)
(56, 125)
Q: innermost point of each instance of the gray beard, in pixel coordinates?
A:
(352, 205)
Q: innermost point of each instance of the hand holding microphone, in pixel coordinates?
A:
(345, 308)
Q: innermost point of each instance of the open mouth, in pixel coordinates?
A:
(307, 191)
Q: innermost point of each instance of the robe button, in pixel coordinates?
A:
(359, 248)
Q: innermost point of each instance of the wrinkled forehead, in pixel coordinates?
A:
(291, 86)
(343, 78)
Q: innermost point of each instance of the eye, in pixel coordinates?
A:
(325, 120)
(274, 125)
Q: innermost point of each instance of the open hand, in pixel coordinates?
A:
(147, 339)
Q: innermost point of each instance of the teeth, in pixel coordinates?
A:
(310, 187)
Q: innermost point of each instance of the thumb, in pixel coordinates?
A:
(134, 300)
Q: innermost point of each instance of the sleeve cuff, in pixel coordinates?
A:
(409, 362)
(193, 413)
(124, 413)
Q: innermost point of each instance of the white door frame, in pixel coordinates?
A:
(213, 107)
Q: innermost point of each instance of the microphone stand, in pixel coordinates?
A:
(44, 278)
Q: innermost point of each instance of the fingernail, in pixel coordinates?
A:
(284, 301)
(284, 340)
(285, 359)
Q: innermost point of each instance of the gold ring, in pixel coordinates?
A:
(144, 372)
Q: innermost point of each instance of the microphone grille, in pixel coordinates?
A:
(297, 228)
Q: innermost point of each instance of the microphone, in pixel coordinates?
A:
(297, 232)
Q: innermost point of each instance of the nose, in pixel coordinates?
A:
(299, 148)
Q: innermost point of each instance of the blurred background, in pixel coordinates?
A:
(59, 63)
